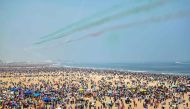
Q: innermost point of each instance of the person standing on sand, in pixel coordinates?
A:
(41, 104)
(122, 104)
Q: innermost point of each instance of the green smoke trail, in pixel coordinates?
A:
(150, 20)
(108, 19)
(154, 19)
(96, 15)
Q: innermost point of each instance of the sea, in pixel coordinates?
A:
(176, 68)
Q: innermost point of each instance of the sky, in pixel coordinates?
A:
(95, 31)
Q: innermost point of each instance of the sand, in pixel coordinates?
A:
(74, 77)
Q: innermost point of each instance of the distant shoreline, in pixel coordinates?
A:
(57, 67)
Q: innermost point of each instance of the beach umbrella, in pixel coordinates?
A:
(53, 98)
(174, 86)
(110, 91)
(19, 88)
(20, 96)
(81, 89)
(47, 93)
(1, 101)
(181, 90)
(52, 90)
(85, 88)
(28, 92)
(46, 99)
(12, 92)
(13, 89)
(162, 83)
(128, 86)
(133, 90)
(88, 91)
(143, 90)
(36, 94)
(4, 92)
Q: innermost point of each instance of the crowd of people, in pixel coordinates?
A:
(78, 88)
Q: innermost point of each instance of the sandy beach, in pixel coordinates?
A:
(95, 54)
(74, 88)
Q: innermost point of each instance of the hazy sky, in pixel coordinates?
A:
(152, 32)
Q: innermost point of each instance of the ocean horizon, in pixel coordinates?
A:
(178, 68)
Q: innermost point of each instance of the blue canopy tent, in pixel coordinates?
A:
(28, 92)
(36, 94)
(46, 99)
(13, 89)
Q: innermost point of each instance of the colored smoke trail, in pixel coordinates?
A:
(155, 19)
(78, 23)
(150, 20)
(104, 20)
(86, 36)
